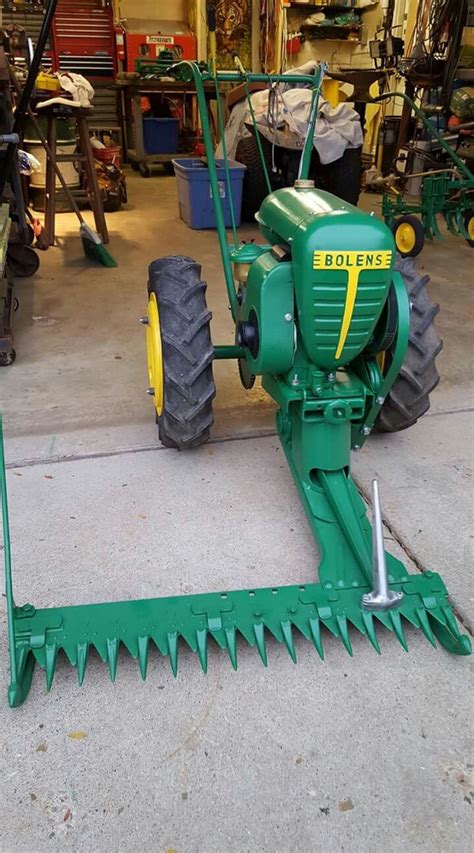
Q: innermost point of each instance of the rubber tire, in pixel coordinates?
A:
(467, 217)
(187, 349)
(419, 234)
(254, 189)
(342, 177)
(22, 261)
(409, 397)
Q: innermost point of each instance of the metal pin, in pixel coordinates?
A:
(144, 321)
(150, 391)
(381, 597)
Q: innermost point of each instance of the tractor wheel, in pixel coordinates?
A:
(254, 189)
(341, 177)
(409, 397)
(409, 236)
(180, 352)
(469, 226)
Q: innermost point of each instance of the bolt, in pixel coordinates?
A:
(372, 212)
(380, 400)
(356, 447)
(366, 430)
(144, 321)
(288, 317)
(331, 377)
(150, 391)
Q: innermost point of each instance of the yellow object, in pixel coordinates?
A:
(353, 263)
(48, 82)
(154, 354)
(405, 238)
(331, 91)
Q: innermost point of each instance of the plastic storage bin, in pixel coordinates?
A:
(194, 191)
(160, 135)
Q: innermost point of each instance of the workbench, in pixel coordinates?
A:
(132, 92)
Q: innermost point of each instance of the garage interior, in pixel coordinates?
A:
(347, 754)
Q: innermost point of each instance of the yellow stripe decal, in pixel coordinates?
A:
(353, 263)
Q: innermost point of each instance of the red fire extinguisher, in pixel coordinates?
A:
(120, 42)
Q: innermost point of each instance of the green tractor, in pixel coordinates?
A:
(344, 342)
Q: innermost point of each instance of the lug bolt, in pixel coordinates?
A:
(288, 318)
(366, 430)
(380, 400)
(150, 391)
(143, 320)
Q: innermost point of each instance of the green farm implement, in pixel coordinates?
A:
(447, 190)
(343, 342)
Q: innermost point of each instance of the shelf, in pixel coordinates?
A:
(295, 5)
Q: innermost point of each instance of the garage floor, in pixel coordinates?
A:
(347, 755)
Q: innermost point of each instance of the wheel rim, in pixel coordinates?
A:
(405, 237)
(154, 353)
(470, 228)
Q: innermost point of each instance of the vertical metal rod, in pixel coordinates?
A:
(211, 165)
(305, 160)
(381, 597)
(8, 562)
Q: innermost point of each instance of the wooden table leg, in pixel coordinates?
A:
(91, 177)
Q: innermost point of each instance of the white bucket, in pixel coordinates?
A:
(38, 179)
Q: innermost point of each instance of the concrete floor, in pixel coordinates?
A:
(350, 755)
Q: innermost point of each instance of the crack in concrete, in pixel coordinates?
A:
(400, 540)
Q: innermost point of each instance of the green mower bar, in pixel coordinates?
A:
(323, 317)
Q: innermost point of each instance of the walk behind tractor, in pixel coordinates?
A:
(344, 343)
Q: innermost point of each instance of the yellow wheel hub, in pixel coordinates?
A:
(405, 237)
(470, 228)
(154, 353)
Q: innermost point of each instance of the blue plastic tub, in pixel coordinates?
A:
(160, 135)
(194, 191)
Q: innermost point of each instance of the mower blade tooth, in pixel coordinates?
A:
(201, 640)
(344, 633)
(259, 632)
(143, 655)
(51, 653)
(398, 628)
(315, 628)
(288, 638)
(232, 646)
(81, 658)
(112, 657)
(173, 652)
(425, 626)
(451, 622)
(370, 629)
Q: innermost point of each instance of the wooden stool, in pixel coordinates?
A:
(83, 155)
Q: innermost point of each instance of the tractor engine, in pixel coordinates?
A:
(321, 286)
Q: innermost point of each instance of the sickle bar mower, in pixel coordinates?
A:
(324, 318)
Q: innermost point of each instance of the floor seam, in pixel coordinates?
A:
(105, 454)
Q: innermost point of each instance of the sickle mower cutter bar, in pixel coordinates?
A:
(313, 307)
